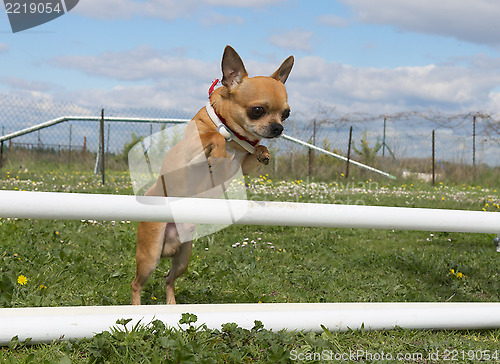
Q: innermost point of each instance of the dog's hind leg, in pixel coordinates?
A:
(180, 262)
(150, 240)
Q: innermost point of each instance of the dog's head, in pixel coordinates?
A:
(257, 105)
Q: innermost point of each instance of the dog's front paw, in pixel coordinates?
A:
(262, 154)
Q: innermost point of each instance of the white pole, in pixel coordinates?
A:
(63, 119)
(79, 206)
(45, 324)
(335, 155)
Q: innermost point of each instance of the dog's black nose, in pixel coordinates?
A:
(276, 129)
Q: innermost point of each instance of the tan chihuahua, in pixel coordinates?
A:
(224, 133)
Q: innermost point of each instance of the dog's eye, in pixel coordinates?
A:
(256, 112)
(286, 114)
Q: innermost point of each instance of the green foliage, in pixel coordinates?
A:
(6, 289)
(129, 145)
(156, 343)
(366, 152)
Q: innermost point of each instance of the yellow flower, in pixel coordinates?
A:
(452, 271)
(22, 280)
(42, 286)
(460, 275)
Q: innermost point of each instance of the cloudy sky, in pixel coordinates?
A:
(355, 55)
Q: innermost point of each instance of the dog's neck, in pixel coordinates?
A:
(213, 95)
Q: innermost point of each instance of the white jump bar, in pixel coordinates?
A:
(46, 324)
(78, 206)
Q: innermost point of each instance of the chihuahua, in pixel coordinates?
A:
(225, 133)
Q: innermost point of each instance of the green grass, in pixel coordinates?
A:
(92, 263)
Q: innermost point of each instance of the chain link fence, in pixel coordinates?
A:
(458, 147)
(464, 147)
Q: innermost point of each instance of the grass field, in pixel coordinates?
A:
(65, 263)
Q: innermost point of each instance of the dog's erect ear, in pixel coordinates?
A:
(282, 73)
(233, 69)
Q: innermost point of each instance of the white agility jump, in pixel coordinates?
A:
(80, 206)
(52, 323)
(45, 324)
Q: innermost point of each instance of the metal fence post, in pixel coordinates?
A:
(99, 162)
(433, 157)
(84, 156)
(102, 147)
(311, 152)
(348, 154)
(383, 139)
(474, 141)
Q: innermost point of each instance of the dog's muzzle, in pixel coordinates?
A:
(275, 130)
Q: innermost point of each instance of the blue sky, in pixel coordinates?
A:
(355, 55)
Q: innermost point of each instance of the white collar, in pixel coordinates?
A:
(224, 130)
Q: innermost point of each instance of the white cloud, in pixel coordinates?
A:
(484, 62)
(141, 63)
(142, 96)
(160, 9)
(214, 18)
(332, 20)
(125, 9)
(147, 77)
(296, 39)
(4, 47)
(111, 9)
(493, 103)
(351, 89)
(16, 83)
(472, 21)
